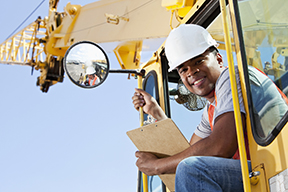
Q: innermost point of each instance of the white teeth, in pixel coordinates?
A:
(198, 81)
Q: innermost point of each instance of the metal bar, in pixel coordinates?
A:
(15, 63)
(139, 181)
(137, 72)
(18, 47)
(237, 114)
(144, 177)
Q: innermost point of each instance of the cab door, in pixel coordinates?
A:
(261, 33)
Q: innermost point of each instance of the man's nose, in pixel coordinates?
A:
(192, 70)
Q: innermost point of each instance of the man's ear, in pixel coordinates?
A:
(220, 59)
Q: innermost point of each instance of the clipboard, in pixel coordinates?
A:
(163, 139)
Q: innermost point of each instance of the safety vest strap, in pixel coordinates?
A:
(211, 112)
(93, 83)
(210, 118)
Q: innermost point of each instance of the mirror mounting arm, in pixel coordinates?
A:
(133, 71)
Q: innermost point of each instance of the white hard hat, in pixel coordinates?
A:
(185, 42)
(90, 71)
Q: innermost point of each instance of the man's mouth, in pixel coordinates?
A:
(198, 81)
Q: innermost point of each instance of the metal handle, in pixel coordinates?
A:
(254, 174)
(254, 177)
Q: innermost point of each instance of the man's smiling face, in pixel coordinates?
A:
(200, 73)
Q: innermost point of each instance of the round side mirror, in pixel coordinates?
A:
(86, 64)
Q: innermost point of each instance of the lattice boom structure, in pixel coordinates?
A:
(24, 47)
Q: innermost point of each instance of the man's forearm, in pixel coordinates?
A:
(204, 147)
(159, 114)
(222, 142)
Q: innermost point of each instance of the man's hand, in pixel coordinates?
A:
(143, 99)
(147, 163)
(150, 106)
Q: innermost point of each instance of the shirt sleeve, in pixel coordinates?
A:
(203, 129)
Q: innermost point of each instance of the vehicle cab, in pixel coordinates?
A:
(258, 30)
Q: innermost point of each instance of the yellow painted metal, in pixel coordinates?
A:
(65, 28)
(145, 182)
(23, 48)
(192, 11)
(169, 4)
(115, 19)
(138, 25)
(73, 11)
(244, 93)
(154, 64)
(128, 54)
(182, 7)
(237, 114)
(117, 23)
(140, 109)
(272, 159)
(31, 47)
(51, 41)
(144, 177)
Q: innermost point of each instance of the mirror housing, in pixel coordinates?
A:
(86, 64)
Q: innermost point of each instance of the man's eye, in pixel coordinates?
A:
(199, 62)
(183, 71)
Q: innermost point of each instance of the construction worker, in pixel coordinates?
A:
(92, 79)
(211, 163)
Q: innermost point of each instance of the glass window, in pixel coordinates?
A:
(150, 85)
(184, 110)
(264, 27)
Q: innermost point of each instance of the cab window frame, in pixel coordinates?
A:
(151, 74)
(154, 75)
(280, 125)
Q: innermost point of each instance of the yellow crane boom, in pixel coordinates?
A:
(126, 27)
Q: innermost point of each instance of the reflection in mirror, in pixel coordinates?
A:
(86, 64)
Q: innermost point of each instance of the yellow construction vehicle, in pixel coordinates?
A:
(249, 33)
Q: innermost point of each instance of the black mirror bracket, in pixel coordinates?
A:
(132, 71)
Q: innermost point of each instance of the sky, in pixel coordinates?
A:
(69, 139)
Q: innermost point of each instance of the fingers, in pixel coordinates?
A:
(138, 100)
(140, 154)
(146, 162)
(137, 154)
(141, 91)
